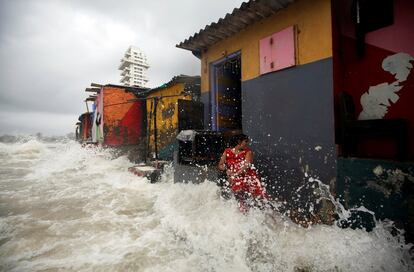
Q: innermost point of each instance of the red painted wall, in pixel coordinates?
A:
(356, 74)
(123, 119)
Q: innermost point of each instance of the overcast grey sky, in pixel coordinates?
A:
(50, 50)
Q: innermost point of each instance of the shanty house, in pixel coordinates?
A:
(322, 87)
(119, 118)
(171, 108)
(266, 69)
(84, 127)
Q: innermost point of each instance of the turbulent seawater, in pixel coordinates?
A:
(68, 208)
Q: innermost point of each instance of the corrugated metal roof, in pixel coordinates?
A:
(188, 80)
(248, 13)
(132, 89)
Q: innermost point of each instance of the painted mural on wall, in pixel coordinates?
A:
(376, 70)
(167, 121)
(163, 110)
(122, 119)
(380, 80)
(376, 101)
(97, 125)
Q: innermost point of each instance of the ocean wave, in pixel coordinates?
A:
(80, 209)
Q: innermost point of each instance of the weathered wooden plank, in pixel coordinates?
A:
(96, 85)
(93, 90)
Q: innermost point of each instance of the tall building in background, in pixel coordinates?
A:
(134, 66)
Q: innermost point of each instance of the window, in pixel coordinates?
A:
(277, 51)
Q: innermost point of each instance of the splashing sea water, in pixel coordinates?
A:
(64, 207)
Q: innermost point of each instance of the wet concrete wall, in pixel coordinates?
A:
(384, 187)
(205, 99)
(289, 117)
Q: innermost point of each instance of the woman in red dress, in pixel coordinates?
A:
(243, 179)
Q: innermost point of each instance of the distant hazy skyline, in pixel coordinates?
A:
(51, 50)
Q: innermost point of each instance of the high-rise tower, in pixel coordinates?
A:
(134, 66)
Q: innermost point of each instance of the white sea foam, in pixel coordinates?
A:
(79, 209)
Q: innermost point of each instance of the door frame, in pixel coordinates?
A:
(214, 87)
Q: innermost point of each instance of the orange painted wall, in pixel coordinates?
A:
(122, 119)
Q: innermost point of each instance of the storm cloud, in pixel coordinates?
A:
(51, 50)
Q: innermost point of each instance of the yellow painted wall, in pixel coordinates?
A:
(167, 121)
(314, 38)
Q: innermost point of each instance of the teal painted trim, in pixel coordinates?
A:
(167, 152)
(384, 187)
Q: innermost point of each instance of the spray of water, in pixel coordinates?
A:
(64, 207)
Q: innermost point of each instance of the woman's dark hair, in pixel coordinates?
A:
(237, 139)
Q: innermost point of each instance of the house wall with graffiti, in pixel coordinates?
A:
(123, 119)
(167, 118)
(97, 125)
(375, 66)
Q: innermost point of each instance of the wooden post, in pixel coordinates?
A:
(155, 127)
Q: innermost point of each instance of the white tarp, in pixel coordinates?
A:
(186, 135)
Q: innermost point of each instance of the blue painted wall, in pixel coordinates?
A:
(205, 99)
(289, 116)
